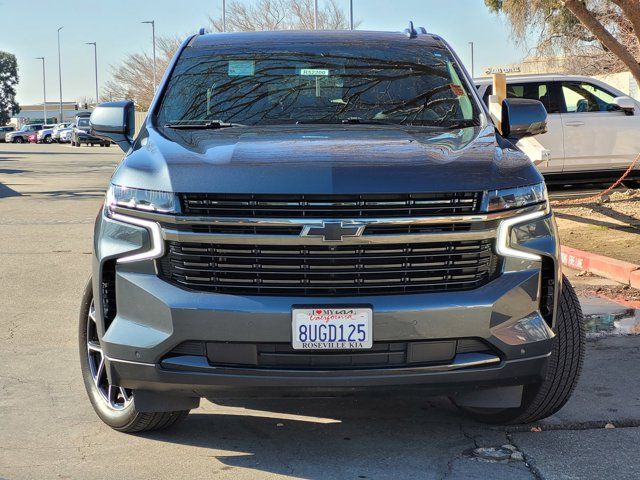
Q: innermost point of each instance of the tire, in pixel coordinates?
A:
(78, 144)
(115, 406)
(563, 369)
(48, 139)
(18, 140)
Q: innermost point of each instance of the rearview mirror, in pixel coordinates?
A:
(627, 104)
(115, 121)
(522, 117)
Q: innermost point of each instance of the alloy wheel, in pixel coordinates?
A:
(117, 398)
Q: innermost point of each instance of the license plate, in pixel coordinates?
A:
(332, 328)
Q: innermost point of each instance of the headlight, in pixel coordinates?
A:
(147, 200)
(496, 200)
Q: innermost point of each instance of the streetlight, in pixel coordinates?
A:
(95, 61)
(315, 14)
(224, 15)
(153, 32)
(473, 72)
(44, 90)
(60, 74)
(350, 14)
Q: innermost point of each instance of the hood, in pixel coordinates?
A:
(324, 159)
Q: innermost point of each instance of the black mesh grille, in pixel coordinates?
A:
(283, 356)
(310, 270)
(330, 206)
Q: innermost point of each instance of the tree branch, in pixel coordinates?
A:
(587, 18)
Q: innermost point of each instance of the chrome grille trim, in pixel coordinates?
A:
(189, 237)
(168, 219)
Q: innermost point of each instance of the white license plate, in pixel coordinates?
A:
(332, 328)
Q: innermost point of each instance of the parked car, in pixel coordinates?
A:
(593, 127)
(65, 134)
(45, 135)
(4, 130)
(57, 130)
(22, 135)
(343, 217)
(80, 134)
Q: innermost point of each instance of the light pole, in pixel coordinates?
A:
(350, 14)
(153, 33)
(315, 14)
(60, 75)
(95, 62)
(473, 70)
(44, 90)
(224, 15)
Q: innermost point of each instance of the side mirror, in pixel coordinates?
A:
(627, 104)
(522, 117)
(115, 121)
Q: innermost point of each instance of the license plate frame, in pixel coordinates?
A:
(332, 328)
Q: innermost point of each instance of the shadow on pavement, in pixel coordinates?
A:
(343, 437)
(78, 151)
(598, 223)
(6, 192)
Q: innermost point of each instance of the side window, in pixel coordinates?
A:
(533, 91)
(580, 97)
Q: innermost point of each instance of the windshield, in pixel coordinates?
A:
(83, 122)
(388, 83)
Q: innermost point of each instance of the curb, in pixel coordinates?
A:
(618, 270)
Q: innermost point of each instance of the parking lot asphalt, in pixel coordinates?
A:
(49, 196)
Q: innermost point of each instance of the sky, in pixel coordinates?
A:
(115, 26)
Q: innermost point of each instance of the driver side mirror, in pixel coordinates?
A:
(627, 104)
(522, 117)
(115, 121)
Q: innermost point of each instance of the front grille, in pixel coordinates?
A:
(310, 270)
(330, 206)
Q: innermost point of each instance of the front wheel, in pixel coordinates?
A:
(543, 399)
(18, 140)
(114, 405)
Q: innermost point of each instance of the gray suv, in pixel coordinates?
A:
(324, 212)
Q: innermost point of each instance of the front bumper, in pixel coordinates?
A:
(152, 317)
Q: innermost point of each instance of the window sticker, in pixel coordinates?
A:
(242, 68)
(314, 72)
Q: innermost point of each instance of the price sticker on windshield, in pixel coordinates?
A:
(314, 72)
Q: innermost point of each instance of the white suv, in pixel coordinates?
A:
(594, 129)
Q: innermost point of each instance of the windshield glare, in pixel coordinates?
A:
(386, 83)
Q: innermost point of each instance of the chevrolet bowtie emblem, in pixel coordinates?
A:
(333, 231)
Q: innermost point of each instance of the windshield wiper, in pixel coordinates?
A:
(208, 125)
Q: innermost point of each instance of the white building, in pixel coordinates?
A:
(35, 113)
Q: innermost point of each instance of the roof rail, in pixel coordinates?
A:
(202, 31)
(411, 32)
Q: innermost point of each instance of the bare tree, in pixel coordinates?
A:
(281, 15)
(599, 36)
(132, 79)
